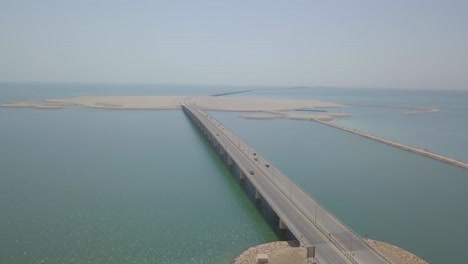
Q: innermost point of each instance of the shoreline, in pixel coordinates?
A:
(292, 252)
(215, 103)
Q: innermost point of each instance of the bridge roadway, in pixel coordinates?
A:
(328, 249)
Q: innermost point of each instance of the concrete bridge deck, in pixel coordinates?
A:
(307, 219)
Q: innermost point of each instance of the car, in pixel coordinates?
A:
(255, 159)
(267, 165)
(254, 154)
(251, 173)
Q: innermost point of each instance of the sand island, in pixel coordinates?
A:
(264, 108)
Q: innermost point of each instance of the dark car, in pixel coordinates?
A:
(251, 172)
(254, 154)
(267, 165)
(255, 159)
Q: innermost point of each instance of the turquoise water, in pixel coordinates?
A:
(443, 132)
(97, 186)
(392, 195)
(105, 186)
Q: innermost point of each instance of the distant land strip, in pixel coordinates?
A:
(420, 151)
(229, 93)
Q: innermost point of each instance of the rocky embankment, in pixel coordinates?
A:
(284, 252)
(419, 151)
(278, 252)
(395, 254)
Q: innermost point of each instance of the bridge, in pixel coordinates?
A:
(310, 222)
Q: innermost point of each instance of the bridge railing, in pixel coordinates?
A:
(343, 237)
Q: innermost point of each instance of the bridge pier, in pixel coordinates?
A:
(221, 150)
(241, 174)
(282, 225)
(258, 195)
(229, 160)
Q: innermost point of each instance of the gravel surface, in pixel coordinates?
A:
(395, 254)
(288, 252)
(278, 252)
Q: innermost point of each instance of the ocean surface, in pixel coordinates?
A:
(82, 185)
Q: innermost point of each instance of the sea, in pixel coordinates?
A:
(81, 185)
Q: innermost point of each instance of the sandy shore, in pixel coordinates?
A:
(35, 105)
(247, 104)
(124, 102)
(285, 252)
(256, 104)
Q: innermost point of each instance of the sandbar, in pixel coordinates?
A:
(218, 103)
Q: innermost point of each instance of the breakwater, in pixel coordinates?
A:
(419, 151)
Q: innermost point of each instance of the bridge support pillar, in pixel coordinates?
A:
(241, 175)
(221, 150)
(229, 160)
(282, 225)
(258, 195)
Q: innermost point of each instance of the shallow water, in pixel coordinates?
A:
(114, 186)
(99, 186)
(391, 195)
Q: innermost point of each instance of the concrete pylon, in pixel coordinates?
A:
(229, 160)
(258, 195)
(241, 175)
(282, 225)
(221, 150)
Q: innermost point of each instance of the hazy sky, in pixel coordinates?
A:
(401, 44)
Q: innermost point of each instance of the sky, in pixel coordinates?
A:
(371, 44)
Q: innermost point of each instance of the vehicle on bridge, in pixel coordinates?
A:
(251, 172)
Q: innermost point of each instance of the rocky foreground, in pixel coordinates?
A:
(284, 252)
